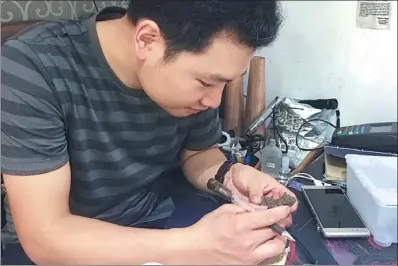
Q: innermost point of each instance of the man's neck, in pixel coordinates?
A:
(116, 41)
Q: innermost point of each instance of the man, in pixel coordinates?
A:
(93, 111)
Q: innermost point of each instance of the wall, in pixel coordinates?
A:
(321, 54)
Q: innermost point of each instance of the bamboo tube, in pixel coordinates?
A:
(234, 106)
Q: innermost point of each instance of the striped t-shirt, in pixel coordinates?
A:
(61, 102)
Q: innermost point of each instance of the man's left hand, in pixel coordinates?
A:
(252, 185)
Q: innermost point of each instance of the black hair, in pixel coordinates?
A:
(192, 25)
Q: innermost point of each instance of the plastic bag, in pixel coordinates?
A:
(299, 128)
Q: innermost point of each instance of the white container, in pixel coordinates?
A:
(372, 189)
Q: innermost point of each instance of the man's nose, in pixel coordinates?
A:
(212, 99)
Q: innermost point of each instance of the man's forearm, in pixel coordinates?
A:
(79, 240)
(202, 166)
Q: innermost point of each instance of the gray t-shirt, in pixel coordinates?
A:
(61, 102)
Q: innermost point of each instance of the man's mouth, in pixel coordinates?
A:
(193, 111)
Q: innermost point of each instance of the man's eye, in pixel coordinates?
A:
(204, 84)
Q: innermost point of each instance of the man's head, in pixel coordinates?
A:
(187, 50)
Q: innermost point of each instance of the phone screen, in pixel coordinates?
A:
(333, 208)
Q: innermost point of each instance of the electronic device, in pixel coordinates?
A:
(379, 137)
(334, 213)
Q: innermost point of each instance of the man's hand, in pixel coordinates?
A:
(252, 184)
(230, 235)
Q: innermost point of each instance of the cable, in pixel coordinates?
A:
(253, 143)
(95, 5)
(308, 177)
(338, 118)
(276, 130)
(302, 125)
(274, 110)
(307, 254)
(276, 127)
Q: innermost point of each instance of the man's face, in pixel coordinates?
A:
(190, 83)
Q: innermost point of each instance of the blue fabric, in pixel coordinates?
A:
(192, 210)
(13, 254)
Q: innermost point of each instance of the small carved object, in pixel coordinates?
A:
(270, 202)
(286, 200)
(277, 260)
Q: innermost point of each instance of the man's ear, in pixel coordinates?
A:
(147, 38)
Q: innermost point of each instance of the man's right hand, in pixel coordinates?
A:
(229, 235)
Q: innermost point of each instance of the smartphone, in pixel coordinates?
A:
(334, 213)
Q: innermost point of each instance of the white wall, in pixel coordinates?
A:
(320, 53)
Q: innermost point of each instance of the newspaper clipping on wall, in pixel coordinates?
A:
(374, 14)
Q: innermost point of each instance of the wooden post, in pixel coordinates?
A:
(255, 100)
(234, 106)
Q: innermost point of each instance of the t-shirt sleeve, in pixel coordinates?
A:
(205, 131)
(32, 128)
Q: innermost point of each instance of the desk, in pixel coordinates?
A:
(339, 251)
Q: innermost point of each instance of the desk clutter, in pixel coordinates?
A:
(298, 126)
(282, 135)
(281, 139)
(368, 177)
(292, 128)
